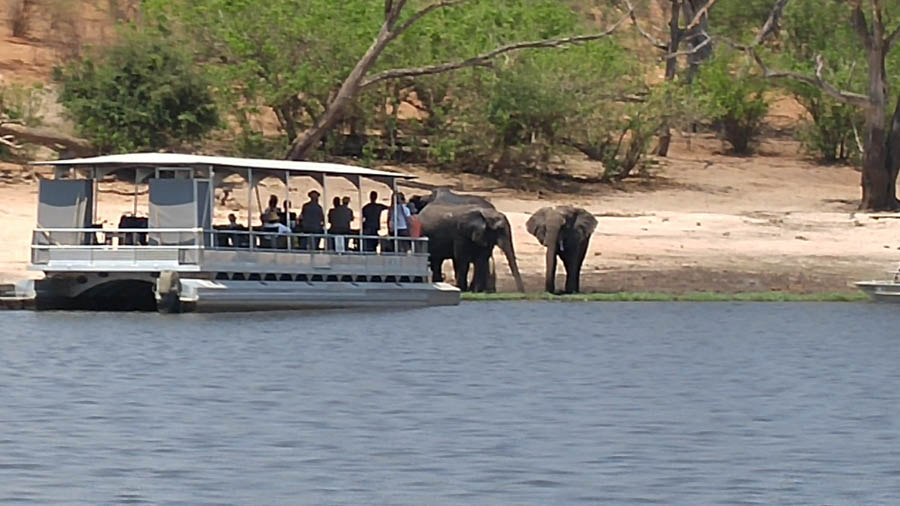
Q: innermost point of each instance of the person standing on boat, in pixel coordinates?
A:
(371, 220)
(335, 205)
(339, 220)
(312, 219)
(398, 219)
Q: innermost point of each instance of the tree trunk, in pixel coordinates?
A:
(893, 156)
(307, 140)
(696, 35)
(878, 179)
(665, 137)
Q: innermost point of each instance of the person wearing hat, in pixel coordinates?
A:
(312, 219)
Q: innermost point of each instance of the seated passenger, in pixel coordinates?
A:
(272, 207)
(234, 240)
(273, 224)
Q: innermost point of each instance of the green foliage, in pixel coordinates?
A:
(812, 29)
(22, 103)
(739, 20)
(542, 104)
(291, 56)
(734, 100)
(144, 93)
(830, 135)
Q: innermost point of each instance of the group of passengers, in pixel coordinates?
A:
(281, 221)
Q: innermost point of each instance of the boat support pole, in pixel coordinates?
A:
(249, 206)
(360, 196)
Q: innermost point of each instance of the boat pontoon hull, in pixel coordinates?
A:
(881, 290)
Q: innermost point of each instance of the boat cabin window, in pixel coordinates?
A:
(174, 173)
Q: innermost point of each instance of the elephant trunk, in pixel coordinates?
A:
(552, 239)
(506, 244)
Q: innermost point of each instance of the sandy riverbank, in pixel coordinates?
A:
(701, 222)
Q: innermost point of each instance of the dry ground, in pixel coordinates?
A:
(702, 221)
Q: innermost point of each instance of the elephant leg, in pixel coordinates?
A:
(462, 275)
(462, 257)
(481, 274)
(491, 286)
(437, 275)
(573, 267)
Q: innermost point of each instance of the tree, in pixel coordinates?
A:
(394, 25)
(143, 93)
(881, 157)
(814, 28)
(695, 33)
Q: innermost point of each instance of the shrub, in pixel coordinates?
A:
(22, 103)
(733, 100)
(144, 93)
(830, 134)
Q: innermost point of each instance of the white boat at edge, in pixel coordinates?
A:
(882, 290)
(179, 262)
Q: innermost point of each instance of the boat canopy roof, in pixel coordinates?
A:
(114, 162)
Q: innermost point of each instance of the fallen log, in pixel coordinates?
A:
(71, 146)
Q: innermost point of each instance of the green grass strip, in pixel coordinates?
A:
(670, 297)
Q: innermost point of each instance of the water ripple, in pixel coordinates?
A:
(488, 403)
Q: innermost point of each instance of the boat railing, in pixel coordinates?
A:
(344, 244)
(183, 245)
(91, 245)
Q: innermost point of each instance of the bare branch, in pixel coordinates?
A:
(699, 15)
(658, 44)
(891, 39)
(8, 140)
(847, 97)
(861, 27)
(422, 13)
(877, 22)
(45, 137)
(485, 58)
(772, 23)
(392, 10)
(696, 49)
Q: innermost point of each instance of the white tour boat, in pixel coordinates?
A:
(882, 290)
(175, 259)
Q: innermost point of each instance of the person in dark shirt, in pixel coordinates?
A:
(340, 218)
(312, 218)
(371, 220)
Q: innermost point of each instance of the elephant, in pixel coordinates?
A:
(566, 232)
(465, 229)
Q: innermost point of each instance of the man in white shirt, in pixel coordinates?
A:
(400, 220)
(273, 225)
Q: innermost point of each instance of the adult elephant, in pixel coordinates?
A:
(566, 232)
(465, 229)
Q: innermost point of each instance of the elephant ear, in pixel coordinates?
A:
(473, 225)
(585, 222)
(541, 222)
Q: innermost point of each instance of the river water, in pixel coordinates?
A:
(485, 403)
